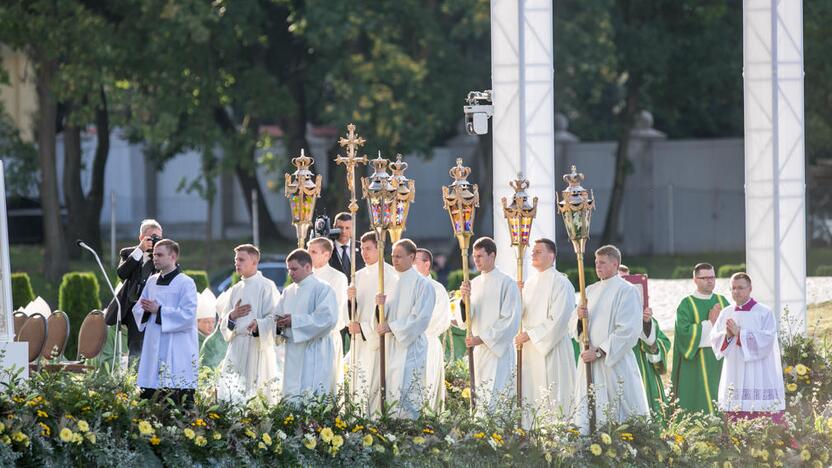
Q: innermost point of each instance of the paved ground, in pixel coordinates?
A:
(666, 294)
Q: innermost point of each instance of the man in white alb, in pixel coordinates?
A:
(615, 325)
(496, 310)
(250, 364)
(407, 311)
(548, 358)
(166, 313)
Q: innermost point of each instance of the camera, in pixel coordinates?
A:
(153, 240)
(323, 228)
(478, 111)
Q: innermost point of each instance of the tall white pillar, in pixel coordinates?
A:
(522, 75)
(775, 187)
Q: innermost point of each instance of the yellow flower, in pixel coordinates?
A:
(189, 433)
(520, 432)
(200, 441)
(595, 449)
(83, 426)
(792, 387)
(497, 438)
(479, 435)
(200, 422)
(77, 438)
(217, 435)
(727, 464)
(358, 428)
(788, 370)
(90, 437)
(154, 440)
(251, 434)
(267, 439)
(605, 438)
(326, 434)
(288, 420)
(763, 454)
(45, 430)
(2, 427)
(805, 455)
(801, 369)
(337, 441)
(339, 423)
(261, 445)
(626, 436)
(20, 437)
(42, 414)
(145, 428)
(679, 438)
(66, 434)
(611, 452)
(466, 393)
(427, 430)
(824, 457)
(418, 440)
(310, 443)
(367, 440)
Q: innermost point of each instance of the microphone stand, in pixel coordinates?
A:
(117, 350)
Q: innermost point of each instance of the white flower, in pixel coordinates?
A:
(281, 435)
(390, 437)
(450, 440)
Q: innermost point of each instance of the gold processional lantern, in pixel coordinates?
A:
(575, 205)
(380, 192)
(302, 192)
(520, 215)
(405, 195)
(461, 200)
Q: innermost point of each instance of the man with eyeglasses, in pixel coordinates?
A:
(696, 371)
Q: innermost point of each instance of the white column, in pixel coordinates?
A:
(522, 74)
(775, 188)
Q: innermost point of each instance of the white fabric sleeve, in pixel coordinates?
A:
(649, 339)
(705, 339)
(500, 337)
(408, 328)
(137, 254)
(138, 312)
(319, 321)
(757, 344)
(627, 326)
(182, 316)
(558, 316)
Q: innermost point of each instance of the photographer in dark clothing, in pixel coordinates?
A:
(135, 267)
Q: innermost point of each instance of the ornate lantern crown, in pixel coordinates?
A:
(302, 192)
(461, 198)
(380, 193)
(520, 213)
(576, 205)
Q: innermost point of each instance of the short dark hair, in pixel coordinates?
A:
(342, 216)
(249, 249)
(427, 252)
(487, 244)
(407, 245)
(702, 266)
(301, 256)
(549, 243)
(741, 275)
(170, 244)
(323, 242)
(369, 236)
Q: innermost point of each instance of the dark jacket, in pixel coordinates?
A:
(133, 275)
(335, 260)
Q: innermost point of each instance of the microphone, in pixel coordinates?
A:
(117, 351)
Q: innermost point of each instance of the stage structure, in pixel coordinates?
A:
(12, 354)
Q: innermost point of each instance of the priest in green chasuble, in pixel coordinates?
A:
(695, 372)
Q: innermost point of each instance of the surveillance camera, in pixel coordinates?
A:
(476, 118)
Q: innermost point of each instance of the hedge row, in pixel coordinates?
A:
(77, 296)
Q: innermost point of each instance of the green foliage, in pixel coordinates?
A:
(455, 279)
(20, 159)
(589, 274)
(77, 296)
(22, 292)
(638, 270)
(823, 270)
(725, 271)
(682, 272)
(200, 278)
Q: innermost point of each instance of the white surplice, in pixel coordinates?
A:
(496, 305)
(439, 322)
(408, 311)
(250, 364)
(170, 351)
(339, 285)
(548, 357)
(615, 324)
(309, 352)
(752, 376)
(365, 378)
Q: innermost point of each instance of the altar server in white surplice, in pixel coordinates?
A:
(745, 335)
(615, 325)
(407, 311)
(305, 315)
(250, 365)
(365, 342)
(495, 301)
(440, 321)
(548, 357)
(166, 313)
(320, 249)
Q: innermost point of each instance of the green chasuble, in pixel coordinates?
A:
(212, 349)
(695, 374)
(652, 363)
